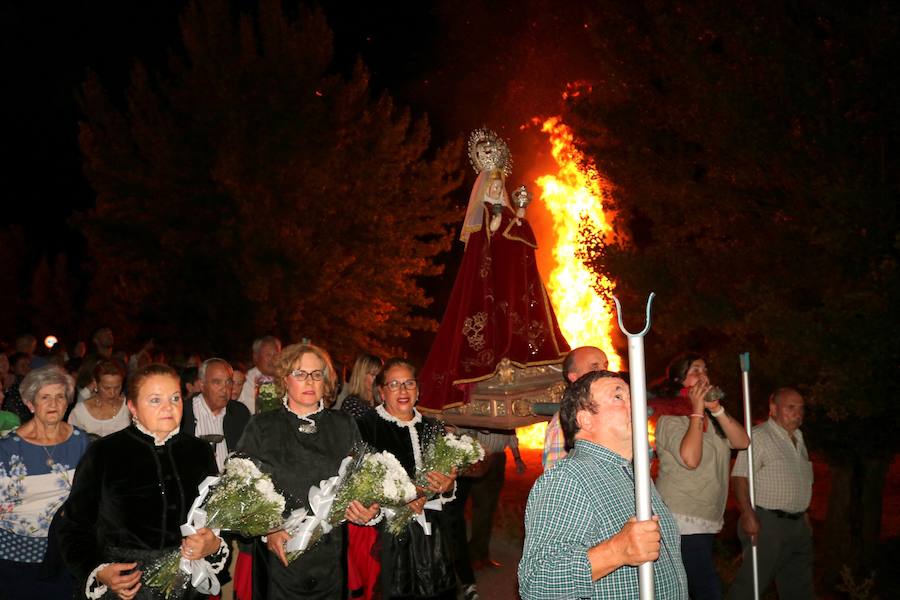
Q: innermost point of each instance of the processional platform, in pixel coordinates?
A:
(506, 400)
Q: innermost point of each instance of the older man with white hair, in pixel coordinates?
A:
(212, 414)
(265, 349)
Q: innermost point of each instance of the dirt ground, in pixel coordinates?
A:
(508, 533)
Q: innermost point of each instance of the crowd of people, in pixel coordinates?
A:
(98, 479)
(582, 539)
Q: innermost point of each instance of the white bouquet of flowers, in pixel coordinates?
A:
(445, 452)
(268, 397)
(243, 500)
(368, 477)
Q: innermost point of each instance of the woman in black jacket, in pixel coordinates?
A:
(132, 492)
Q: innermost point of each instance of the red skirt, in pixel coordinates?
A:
(362, 567)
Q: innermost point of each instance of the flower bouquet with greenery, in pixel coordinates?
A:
(268, 397)
(369, 477)
(242, 500)
(445, 452)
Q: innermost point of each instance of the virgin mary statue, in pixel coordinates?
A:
(498, 308)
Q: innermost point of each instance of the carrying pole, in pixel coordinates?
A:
(639, 437)
(748, 425)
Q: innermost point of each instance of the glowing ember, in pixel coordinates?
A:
(573, 198)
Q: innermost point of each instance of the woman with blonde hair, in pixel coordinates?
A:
(301, 444)
(360, 398)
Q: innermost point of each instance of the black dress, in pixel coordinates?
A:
(413, 565)
(129, 499)
(297, 461)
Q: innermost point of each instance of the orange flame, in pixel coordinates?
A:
(532, 436)
(574, 200)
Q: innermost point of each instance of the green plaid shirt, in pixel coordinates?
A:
(582, 501)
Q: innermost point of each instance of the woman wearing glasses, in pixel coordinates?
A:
(413, 565)
(300, 445)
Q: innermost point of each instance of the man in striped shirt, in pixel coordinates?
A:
(780, 527)
(212, 412)
(581, 537)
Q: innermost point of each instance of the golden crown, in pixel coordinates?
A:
(487, 151)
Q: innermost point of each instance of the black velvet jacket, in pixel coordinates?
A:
(297, 461)
(413, 565)
(386, 435)
(130, 493)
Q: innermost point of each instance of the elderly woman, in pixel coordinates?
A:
(37, 462)
(133, 491)
(413, 565)
(105, 412)
(694, 442)
(301, 444)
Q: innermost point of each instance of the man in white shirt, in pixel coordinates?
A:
(265, 349)
(780, 527)
(212, 414)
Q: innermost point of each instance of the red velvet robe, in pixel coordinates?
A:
(498, 309)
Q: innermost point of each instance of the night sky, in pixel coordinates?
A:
(495, 63)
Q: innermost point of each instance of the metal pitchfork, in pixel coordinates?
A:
(639, 437)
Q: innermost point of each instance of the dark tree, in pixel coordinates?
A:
(249, 188)
(12, 303)
(751, 149)
(50, 303)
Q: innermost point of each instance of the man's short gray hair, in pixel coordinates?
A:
(201, 372)
(40, 378)
(266, 339)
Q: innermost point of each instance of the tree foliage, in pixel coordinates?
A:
(248, 188)
(752, 154)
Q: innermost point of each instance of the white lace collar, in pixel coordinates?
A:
(410, 427)
(306, 418)
(384, 414)
(156, 442)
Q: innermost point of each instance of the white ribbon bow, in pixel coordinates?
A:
(203, 579)
(301, 524)
(436, 504)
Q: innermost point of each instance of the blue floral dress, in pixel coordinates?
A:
(34, 482)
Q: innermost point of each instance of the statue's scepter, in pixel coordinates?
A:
(748, 425)
(639, 438)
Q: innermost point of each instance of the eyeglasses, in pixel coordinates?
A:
(301, 375)
(409, 384)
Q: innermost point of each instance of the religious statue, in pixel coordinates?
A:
(498, 311)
